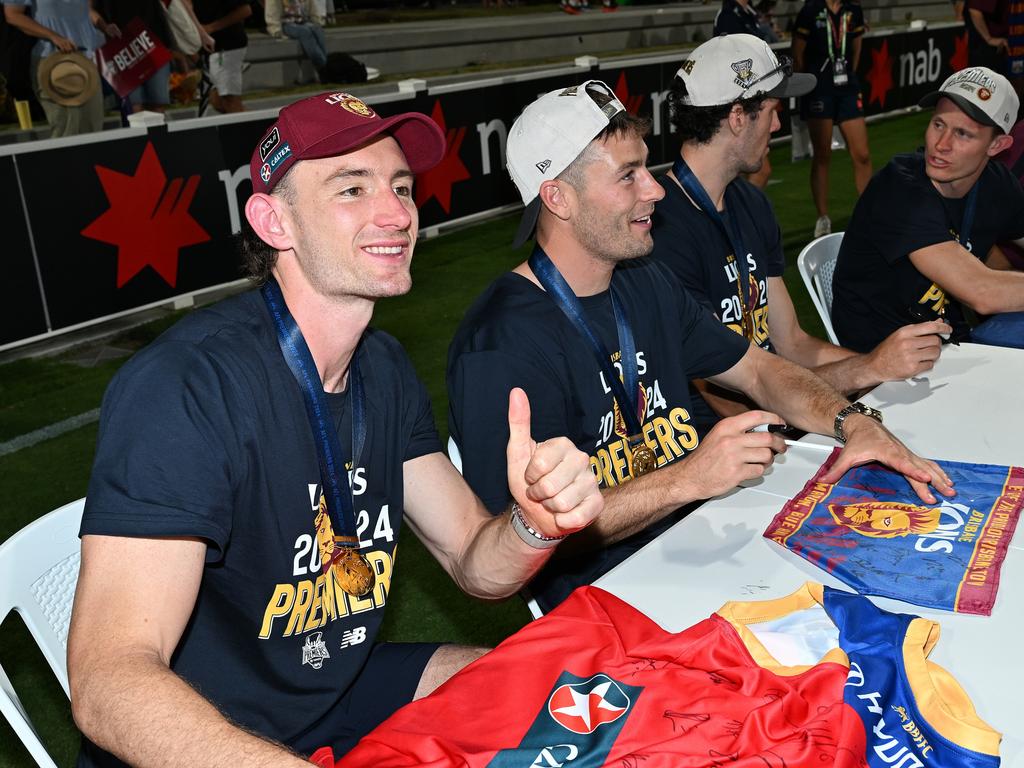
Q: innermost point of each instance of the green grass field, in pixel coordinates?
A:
(448, 273)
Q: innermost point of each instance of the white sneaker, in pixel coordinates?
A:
(823, 226)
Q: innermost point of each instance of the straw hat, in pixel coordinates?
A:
(68, 79)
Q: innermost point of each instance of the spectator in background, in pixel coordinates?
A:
(15, 57)
(62, 25)
(737, 16)
(988, 24)
(769, 30)
(299, 23)
(827, 44)
(1015, 47)
(224, 21)
(154, 94)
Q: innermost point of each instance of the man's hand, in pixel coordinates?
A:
(911, 350)
(206, 40)
(552, 481)
(867, 441)
(730, 453)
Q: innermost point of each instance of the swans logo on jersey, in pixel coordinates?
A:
(583, 707)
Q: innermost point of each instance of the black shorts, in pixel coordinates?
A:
(386, 683)
(835, 104)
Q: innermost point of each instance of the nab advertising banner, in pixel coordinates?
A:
(138, 220)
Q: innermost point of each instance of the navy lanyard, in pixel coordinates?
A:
(333, 477)
(964, 236)
(689, 182)
(560, 292)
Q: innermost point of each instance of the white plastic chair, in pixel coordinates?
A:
(817, 264)
(38, 574)
(455, 455)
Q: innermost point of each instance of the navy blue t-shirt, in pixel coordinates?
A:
(204, 434)
(514, 335)
(875, 283)
(694, 248)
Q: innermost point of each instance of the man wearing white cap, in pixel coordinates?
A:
(605, 342)
(724, 103)
(921, 241)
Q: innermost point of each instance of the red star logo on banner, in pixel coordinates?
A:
(439, 180)
(958, 60)
(880, 75)
(148, 219)
(631, 103)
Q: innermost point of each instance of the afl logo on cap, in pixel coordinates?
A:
(265, 173)
(351, 104)
(583, 707)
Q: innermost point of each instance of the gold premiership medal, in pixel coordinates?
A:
(352, 570)
(643, 460)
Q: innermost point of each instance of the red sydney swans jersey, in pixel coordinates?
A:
(819, 678)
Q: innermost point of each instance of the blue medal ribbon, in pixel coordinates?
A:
(333, 476)
(561, 293)
(691, 184)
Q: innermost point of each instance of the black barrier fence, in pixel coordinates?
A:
(115, 222)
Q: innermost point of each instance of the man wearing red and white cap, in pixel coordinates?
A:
(921, 241)
(255, 465)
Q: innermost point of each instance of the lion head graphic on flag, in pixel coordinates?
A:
(885, 519)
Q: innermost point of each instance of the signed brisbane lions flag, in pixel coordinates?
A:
(871, 532)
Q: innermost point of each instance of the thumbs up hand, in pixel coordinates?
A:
(552, 481)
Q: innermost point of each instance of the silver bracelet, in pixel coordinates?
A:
(534, 538)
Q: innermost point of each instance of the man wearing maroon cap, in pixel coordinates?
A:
(254, 467)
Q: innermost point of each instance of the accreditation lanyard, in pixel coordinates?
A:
(964, 235)
(836, 37)
(333, 476)
(689, 182)
(560, 292)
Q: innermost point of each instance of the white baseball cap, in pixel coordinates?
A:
(983, 95)
(733, 67)
(551, 133)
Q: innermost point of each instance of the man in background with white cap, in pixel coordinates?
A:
(921, 241)
(724, 105)
(255, 465)
(604, 343)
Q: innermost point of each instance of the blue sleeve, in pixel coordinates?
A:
(771, 233)
(857, 27)
(478, 388)
(804, 24)
(171, 436)
(419, 416)
(708, 346)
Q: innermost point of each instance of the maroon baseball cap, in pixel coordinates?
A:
(331, 124)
